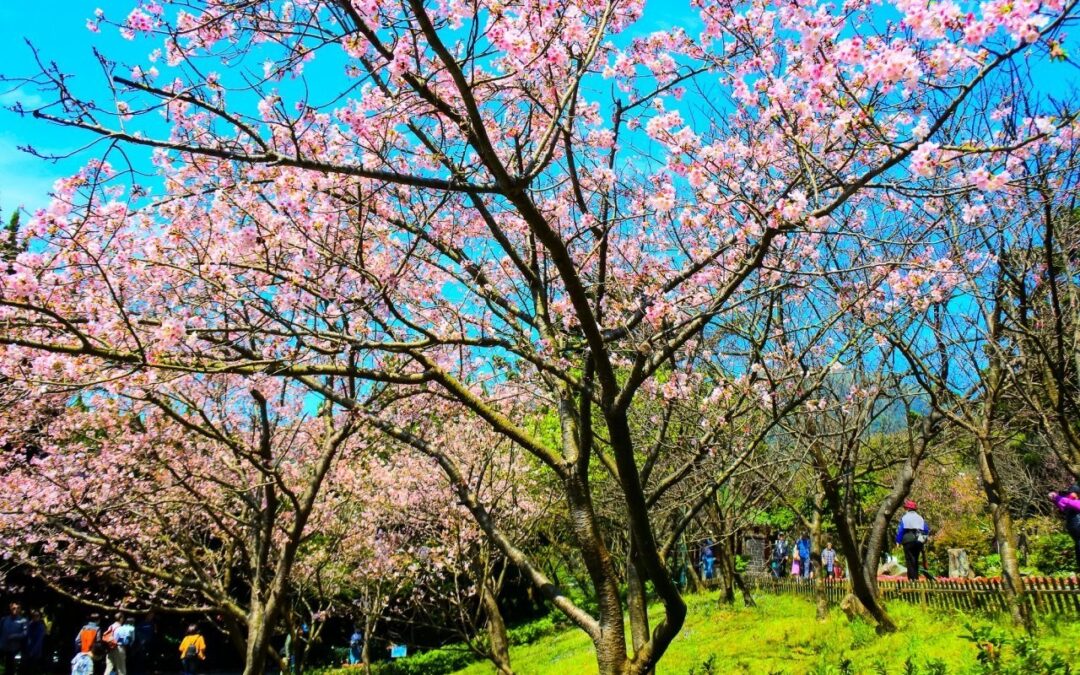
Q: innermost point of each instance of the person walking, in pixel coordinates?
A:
(912, 534)
(34, 652)
(89, 642)
(192, 651)
(91, 648)
(356, 646)
(119, 636)
(708, 559)
(13, 629)
(803, 546)
(828, 560)
(780, 554)
(1068, 503)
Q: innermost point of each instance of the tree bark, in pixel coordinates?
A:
(1011, 581)
(637, 603)
(258, 639)
(496, 629)
(822, 600)
(863, 571)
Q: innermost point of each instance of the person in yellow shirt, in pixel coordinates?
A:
(192, 651)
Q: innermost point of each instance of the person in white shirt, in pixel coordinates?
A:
(912, 535)
(121, 634)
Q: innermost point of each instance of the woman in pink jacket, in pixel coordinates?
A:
(1068, 503)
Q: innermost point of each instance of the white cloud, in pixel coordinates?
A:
(29, 100)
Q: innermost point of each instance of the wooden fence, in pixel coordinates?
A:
(1044, 594)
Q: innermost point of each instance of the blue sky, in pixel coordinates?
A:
(58, 29)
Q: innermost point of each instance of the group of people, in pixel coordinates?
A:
(123, 647)
(22, 640)
(912, 533)
(797, 560)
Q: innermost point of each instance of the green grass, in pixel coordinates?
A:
(781, 635)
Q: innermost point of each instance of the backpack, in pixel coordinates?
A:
(109, 638)
(192, 651)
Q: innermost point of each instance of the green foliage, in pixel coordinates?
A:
(434, 662)
(987, 565)
(779, 518)
(534, 630)
(780, 635)
(1051, 553)
(1025, 656)
(740, 564)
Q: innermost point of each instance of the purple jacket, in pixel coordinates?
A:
(1066, 504)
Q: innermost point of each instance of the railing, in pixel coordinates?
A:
(1043, 594)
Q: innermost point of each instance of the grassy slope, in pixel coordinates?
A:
(781, 636)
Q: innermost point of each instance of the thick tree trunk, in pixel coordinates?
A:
(258, 639)
(637, 603)
(610, 644)
(1011, 582)
(748, 598)
(652, 566)
(725, 568)
(863, 571)
(496, 629)
(724, 550)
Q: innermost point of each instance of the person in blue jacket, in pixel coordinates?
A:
(803, 546)
(708, 559)
(912, 534)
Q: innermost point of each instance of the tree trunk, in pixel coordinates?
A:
(724, 551)
(1011, 582)
(610, 644)
(822, 600)
(637, 603)
(370, 622)
(496, 628)
(863, 571)
(748, 598)
(258, 639)
(725, 567)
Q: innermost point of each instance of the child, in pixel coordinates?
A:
(83, 663)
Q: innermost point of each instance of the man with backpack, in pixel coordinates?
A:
(118, 638)
(192, 651)
(90, 644)
(803, 547)
(912, 534)
(781, 553)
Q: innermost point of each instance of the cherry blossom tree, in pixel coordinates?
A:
(460, 197)
(190, 495)
(969, 354)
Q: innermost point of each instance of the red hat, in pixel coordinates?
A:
(910, 505)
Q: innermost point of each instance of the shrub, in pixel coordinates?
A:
(1026, 654)
(1051, 553)
(533, 631)
(434, 662)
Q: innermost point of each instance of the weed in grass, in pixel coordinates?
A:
(707, 667)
